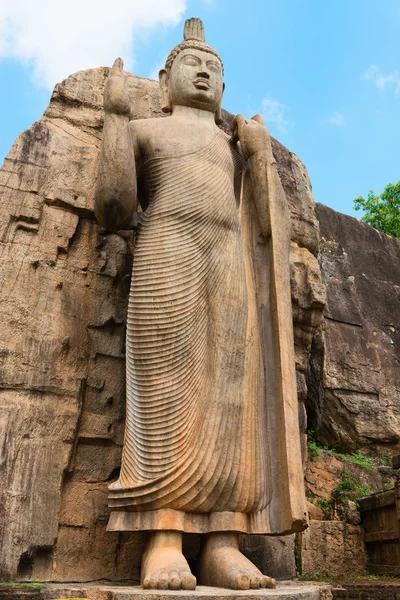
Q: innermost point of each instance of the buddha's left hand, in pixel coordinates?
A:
(253, 136)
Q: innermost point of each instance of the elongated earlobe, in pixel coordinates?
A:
(165, 101)
(218, 116)
(218, 113)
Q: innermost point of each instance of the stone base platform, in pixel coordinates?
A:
(378, 590)
(287, 590)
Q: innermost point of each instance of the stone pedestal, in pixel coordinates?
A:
(290, 590)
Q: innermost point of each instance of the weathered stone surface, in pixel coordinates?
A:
(354, 391)
(63, 292)
(272, 555)
(285, 591)
(351, 513)
(19, 592)
(383, 590)
(332, 548)
(396, 461)
(315, 512)
(63, 289)
(296, 183)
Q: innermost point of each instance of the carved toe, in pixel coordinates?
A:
(153, 584)
(255, 582)
(174, 581)
(242, 582)
(271, 582)
(163, 580)
(188, 580)
(146, 583)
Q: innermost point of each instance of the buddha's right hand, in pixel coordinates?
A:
(116, 99)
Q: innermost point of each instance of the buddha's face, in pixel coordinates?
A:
(195, 80)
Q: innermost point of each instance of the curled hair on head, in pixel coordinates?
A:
(193, 34)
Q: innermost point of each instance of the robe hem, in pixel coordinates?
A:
(186, 522)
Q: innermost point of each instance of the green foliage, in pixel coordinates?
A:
(389, 485)
(297, 556)
(382, 212)
(357, 458)
(349, 489)
(327, 505)
(314, 448)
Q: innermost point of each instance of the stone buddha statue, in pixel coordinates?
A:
(211, 441)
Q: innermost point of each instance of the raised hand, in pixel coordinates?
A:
(252, 135)
(116, 99)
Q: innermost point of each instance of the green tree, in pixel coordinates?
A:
(382, 212)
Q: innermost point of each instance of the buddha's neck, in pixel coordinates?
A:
(197, 114)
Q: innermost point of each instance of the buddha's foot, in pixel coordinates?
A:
(163, 566)
(223, 565)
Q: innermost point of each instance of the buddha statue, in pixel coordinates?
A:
(211, 440)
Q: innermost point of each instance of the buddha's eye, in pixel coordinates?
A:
(191, 61)
(213, 67)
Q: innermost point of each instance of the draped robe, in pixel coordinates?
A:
(211, 438)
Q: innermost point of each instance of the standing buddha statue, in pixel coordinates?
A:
(211, 441)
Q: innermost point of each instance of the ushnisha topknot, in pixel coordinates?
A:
(193, 37)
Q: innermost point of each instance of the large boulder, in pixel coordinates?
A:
(64, 289)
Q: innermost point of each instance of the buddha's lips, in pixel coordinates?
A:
(203, 82)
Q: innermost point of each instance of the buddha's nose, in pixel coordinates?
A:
(203, 75)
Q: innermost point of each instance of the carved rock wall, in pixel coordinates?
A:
(63, 290)
(354, 377)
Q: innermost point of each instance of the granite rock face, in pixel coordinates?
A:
(64, 289)
(332, 547)
(353, 380)
(354, 377)
(63, 292)
(274, 555)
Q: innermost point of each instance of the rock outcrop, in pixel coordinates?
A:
(354, 377)
(63, 290)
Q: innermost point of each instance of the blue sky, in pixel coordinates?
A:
(325, 75)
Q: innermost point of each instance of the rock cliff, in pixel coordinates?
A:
(353, 399)
(354, 376)
(63, 290)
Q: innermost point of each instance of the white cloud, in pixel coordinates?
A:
(381, 81)
(273, 111)
(336, 118)
(59, 38)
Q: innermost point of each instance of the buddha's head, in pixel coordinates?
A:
(193, 74)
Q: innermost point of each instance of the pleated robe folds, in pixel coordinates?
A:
(211, 439)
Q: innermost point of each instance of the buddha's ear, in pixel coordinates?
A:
(218, 113)
(165, 101)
